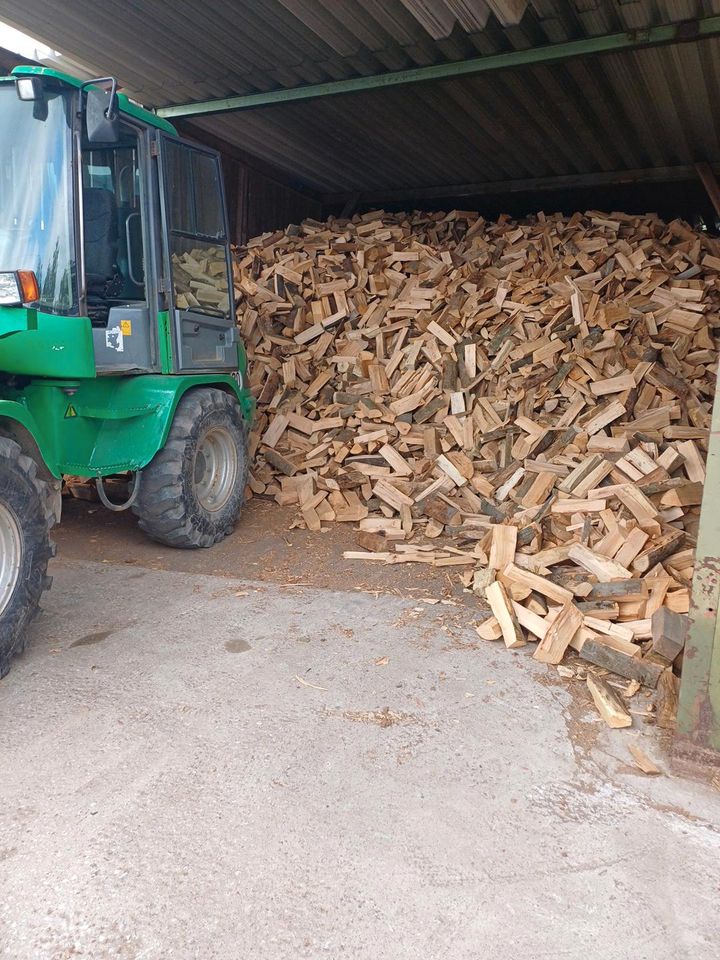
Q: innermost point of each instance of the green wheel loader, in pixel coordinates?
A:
(118, 347)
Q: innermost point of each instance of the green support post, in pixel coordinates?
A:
(699, 709)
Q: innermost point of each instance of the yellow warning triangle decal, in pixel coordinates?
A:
(70, 412)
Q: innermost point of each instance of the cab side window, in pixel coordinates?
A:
(112, 226)
(197, 231)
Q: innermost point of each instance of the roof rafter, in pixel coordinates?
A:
(527, 185)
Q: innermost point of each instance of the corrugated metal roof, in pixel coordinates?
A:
(647, 108)
(651, 108)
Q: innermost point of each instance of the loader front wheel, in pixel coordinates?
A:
(192, 492)
(25, 547)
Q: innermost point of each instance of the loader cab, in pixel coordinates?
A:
(156, 257)
(124, 227)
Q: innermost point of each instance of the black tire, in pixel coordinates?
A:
(25, 515)
(174, 503)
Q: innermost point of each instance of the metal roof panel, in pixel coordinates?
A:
(643, 108)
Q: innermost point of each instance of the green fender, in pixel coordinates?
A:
(108, 425)
(12, 414)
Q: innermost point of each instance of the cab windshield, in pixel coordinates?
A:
(36, 214)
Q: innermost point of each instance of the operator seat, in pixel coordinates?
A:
(100, 226)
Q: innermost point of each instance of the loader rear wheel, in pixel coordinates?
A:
(192, 492)
(25, 547)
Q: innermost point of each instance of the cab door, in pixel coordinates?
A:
(197, 257)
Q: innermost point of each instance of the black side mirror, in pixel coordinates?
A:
(102, 122)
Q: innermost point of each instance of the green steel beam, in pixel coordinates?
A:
(611, 43)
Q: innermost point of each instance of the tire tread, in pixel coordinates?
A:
(164, 507)
(32, 497)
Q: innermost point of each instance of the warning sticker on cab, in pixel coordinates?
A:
(114, 339)
(126, 328)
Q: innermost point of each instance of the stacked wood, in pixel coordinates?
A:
(200, 279)
(528, 401)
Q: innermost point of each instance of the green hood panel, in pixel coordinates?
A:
(37, 344)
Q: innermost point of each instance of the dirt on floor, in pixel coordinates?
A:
(264, 547)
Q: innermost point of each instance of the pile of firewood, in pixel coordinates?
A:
(200, 279)
(527, 401)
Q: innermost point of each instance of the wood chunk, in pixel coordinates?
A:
(668, 697)
(363, 555)
(374, 542)
(434, 528)
(615, 635)
(442, 335)
(275, 430)
(481, 580)
(678, 600)
(613, 411)
(632, 546)
(608, 445)
(489, 629)
(398, 463)
(281, 464)
(694, 464)
(539, 489)
(532, 621)
(599, 609)
(503, 546)
(642, 760)
(688, 495)
(637, 503)
(658, 550)
(552, 647)
(391, 495)
(381, 525)
(669, 631)
(311, 518)
(658, 591)
(633, 668)
(442, 511)
(617, 384)
(532, 581)
(577, 506)
(451, 470)
(609, 704)
(641, 627)
(502, 608)
(619, 591)
(601, 567)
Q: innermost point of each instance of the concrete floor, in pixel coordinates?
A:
(205, 767)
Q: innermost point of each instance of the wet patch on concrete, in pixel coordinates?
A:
(237, 646)
(98, 636)
(91, 638)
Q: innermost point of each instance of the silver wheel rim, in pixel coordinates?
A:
(11, 554)
(216, 469)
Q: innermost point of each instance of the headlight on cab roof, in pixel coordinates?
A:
(29, 88)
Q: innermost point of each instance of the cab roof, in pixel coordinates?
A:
(127, 106)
